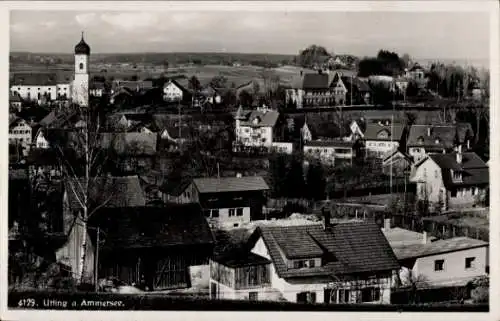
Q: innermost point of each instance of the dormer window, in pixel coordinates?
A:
(420, 140)
(299, 264)
(438, 141)
(383, 134)
(256, 121)
(456, 175)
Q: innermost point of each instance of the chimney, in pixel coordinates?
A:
(387, 224)
(428, 131)
(326, 218)
(425, 238)
(459, 154)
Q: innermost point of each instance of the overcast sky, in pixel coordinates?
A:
(449, 35)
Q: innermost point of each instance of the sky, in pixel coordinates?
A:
(446, 35)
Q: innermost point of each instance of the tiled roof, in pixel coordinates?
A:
(175, 188)
(315, 81)
(372, 130)
(97, 85)
(14, 98)
(230, 184)
(34, 79)
(351, 247)
(437, 247)
(265, 118)
(130, 143)
(330, 143)
(133, 85)
(246, 259)
(113, 191)
(154, 227)
(474, 169)
(447, 135)
(360, 85)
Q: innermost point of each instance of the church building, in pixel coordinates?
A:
(45, 87)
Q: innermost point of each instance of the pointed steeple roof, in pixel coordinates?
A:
(82, 48)
(239, 113)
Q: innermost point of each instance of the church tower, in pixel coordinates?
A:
(81, 82)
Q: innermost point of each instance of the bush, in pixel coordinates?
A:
(480, 294)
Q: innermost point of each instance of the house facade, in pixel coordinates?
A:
(432, 263)
(255, 128)
(382, 138)
(331, 150)
(315, 264)
(40, 140)
(174, 92)
(229, 201)
(20, 133)
(452, 180)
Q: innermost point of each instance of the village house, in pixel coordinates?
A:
(382, 137)
(20, 133)
(416, 73)
(329, 151)
(134, 86)
(32, 87)
(173, 91)
(255, 128)
(397, 162)
(429, 262)
(15, 102)
(452, 180)
(40, 140)
(157, 246)
(326, 263)
(97, 89)
(107, 192)
(424, 139)
(229, 201)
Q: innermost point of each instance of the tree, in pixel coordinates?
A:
(194, 83)
(295, 183)
(412, 89)
(316, 181)
(245, 98)
(312, 56)
(219, 81)
(278, 172)
(82, 160)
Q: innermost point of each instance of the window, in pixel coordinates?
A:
(239, 211)
(370, 295)
(436, 174)
(311, 263)
(306, 297)
(231, 212)
(469, 262)
(215, 213)
(81, 66)
(298, 264)
(344, 296)
(253, 296)
(457, 176)
(330, 296)
(475, 191)
(453, 193)
(438, 265)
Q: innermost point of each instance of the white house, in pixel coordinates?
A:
(317, 263)
(255, 128)
(432, 262)
(20, 133)
(382, 138)
(173, 91)
(329, 150)
(40, 140)
(15, 102)
(452, 180)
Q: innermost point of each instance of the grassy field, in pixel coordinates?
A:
(238, 75)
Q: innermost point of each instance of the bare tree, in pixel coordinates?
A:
(82, 159)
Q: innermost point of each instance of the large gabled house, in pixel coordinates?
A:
(228, 201)
(174, 91)
(423, 139)
(452, 180)
(20, 133)
(382, 138)
(256, 128)
(326, 263)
